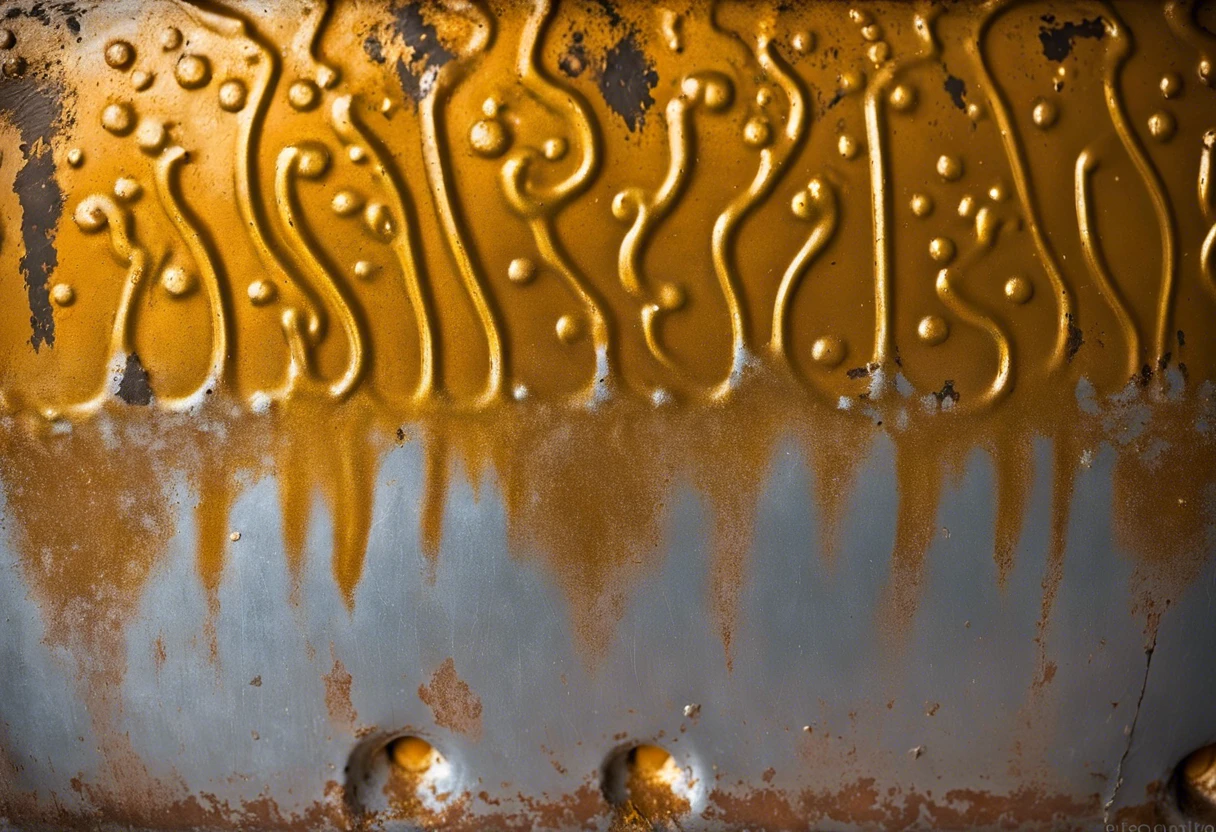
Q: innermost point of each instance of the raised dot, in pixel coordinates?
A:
(127, 189)
(151, 136)
(327, 77)
(378, 219)
(118, 118)
(851, 81)
(966, 206)
(192, 71)
(764, 97)
(1019, 289)
(7, 39)
(303, 94)
(261, 292)
(941, 249)
(623, 208)
(1162, 126)
(13, 66)
(488, 138)
(803, 42)
(1171, 84)
(490, 107)
(848, 146)
(63, 294)
(141, 80)
(672, 296)
(997, 193)
(872, 32)
(757, 133)
(232, 95)
(314, 161)
(365, 270)
(828, 351)
(346, 203)
(170, 38)
(75, 157)
(1044, 113)
(89, 216)
(922, 205)
(521, 270)
(386, 105)
(554, 149)
(119, 54)
(568, 329)
(932, 330)
(903, 97)
(177, 281)
(717, 94)
(800, 205)
(1209, 139)
(949, 168)
(1204, 71)
(879, 52)
(859, 16)
(975, 111)
(356, 154)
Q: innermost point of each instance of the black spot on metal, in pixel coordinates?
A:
(609, 10)
(574, 61)
(947, 392)
(427, 52)
(134, 388)
(374, 48)
(627, 80)
(35, 110)
(1058, 39)
(957, 88)
(858, 372)
(1181, 338)
(1075, 339)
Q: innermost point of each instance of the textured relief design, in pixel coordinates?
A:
(598, 251)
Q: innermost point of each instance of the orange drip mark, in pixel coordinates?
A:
(434, 498)
(1014, 466)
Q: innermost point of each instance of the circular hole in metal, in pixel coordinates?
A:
(402, 777)
(646, 786)
(1195, 785)
(412, 756)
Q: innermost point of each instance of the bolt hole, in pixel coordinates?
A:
(1195, 785)
(412, 757)
(646, 786)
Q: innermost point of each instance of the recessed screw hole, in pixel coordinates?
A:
(646, 786)
(1195, 785)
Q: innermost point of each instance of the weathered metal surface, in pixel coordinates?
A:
(823, 394)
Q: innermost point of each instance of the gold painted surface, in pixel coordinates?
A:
(590, 252)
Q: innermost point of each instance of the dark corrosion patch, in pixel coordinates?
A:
(1058, 38)
(35, 110)
(427, 52)
(627, 80)
(134, 388)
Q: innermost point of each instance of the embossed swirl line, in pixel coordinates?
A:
(649, 212)
(292, 162)
(880, 190)
(404, 241)
(1116, 58)
(1087, 162)
(726, 227)
(201, 247)
(822, 200)
(1207, 252)
(540, 208)
(439, 178)
(228, 24)
(987, 227)
(1022, 183)
(95, 213)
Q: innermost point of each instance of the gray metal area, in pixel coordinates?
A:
(952, 708)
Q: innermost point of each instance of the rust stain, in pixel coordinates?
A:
(337, 694)
(454, 704)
